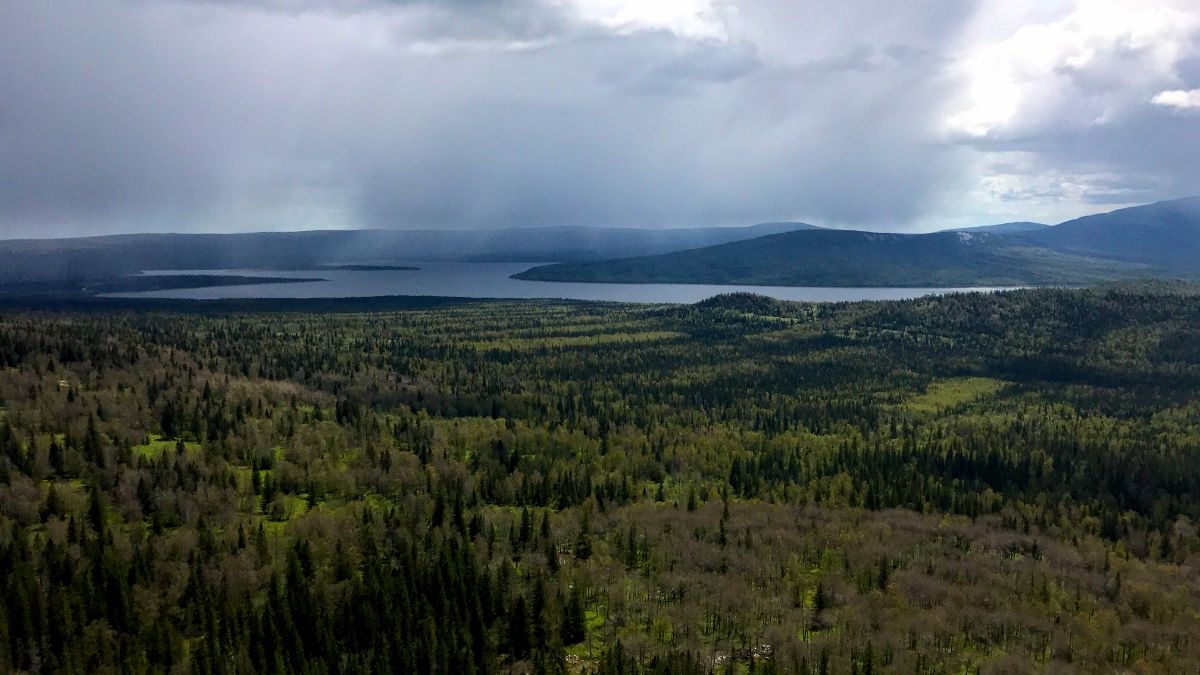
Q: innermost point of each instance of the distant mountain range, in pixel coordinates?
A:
(1003, 228)
(103, 257)
(1161, 239)
(853, 258)
(1164, 234)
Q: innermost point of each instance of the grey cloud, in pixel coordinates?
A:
(332, 6)
(1189, 72)
(1087, 130)
(474, 20)
(1145, 153)
(140, 117)
(865, 58)
(1152, 151)
(193, 115)
(733, 153)
(82, 133)
(660, 64)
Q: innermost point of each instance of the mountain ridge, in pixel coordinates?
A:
(1165, 233)
(1158, 239)
(1166, 242)
(106, 256)
(1003, 228)
(850, 258)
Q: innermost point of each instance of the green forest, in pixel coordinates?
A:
(969, 483)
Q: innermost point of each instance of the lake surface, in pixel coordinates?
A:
(491, 280)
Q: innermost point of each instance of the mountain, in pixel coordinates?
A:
(1165, 234)
(1156, 239)
(24, 260)
(853, 258)
(1003, 228)
(1160, 239)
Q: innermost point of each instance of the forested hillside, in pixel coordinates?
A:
(1154, 240)
(114, 257)
(1166, 234)
(977, 483)
(851, 258)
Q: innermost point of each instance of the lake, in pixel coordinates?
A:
(491, 280)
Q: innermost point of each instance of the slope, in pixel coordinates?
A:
(117, 255)
(1165, 234)
(852, 258)
(1003, 228)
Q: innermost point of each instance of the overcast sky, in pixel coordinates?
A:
(233, 115)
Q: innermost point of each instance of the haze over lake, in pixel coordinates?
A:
(491, 280)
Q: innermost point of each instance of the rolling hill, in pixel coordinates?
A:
(1161, 239)
(24, 260)
(1165, 234)
(852, 258)
(1003, 228)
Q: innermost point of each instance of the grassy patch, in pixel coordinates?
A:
(595, 643)
(159, 445)
(950, 393)
(287, 507)
(244, 476)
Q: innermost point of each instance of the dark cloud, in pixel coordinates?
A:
(278, 114)
(665, 66)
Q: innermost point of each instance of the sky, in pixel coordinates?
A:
(250, 115)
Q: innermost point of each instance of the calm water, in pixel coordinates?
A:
(490, 280)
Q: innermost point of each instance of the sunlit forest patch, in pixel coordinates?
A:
(944, 394)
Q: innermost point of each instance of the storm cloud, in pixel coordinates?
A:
(228, 115)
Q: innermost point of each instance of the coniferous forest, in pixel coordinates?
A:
(978, 483)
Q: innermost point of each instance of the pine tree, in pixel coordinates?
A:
(583, 542)
(574, 618)
(93, 450)
(519, 631)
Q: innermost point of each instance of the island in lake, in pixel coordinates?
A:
(369, 268)
(136, 283)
